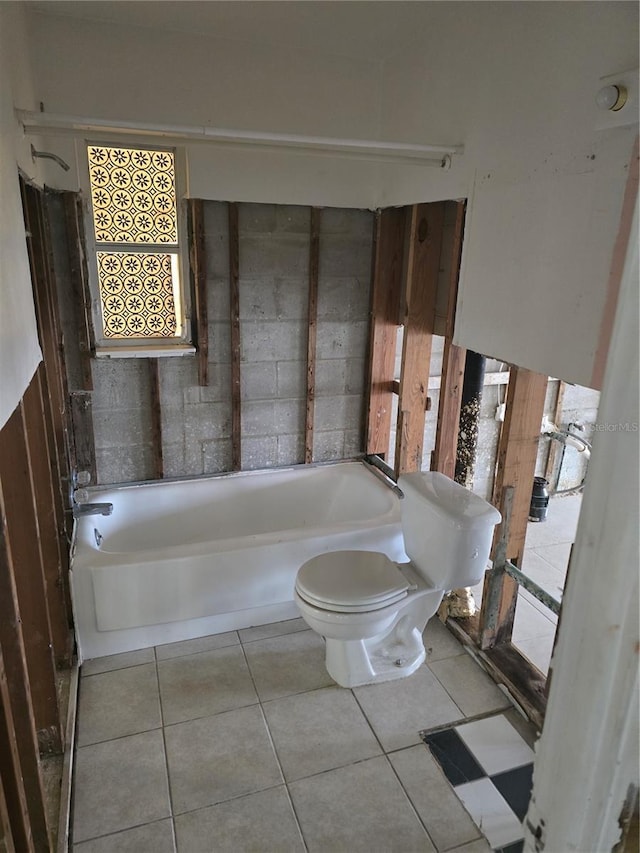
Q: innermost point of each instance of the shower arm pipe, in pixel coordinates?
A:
(42, 123)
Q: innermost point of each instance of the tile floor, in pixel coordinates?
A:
(242, 742)
(546, 559)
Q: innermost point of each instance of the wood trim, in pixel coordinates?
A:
(16, 479)
(453, 361)
(423, 262)
(314, 268)
(79, 281)
(39, 453)
(17, 699)
(198, 261)
(389, 239)
(517, 452)
(234, 310)
(156, 418)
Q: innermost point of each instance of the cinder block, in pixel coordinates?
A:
(355, 376)
(216, 229)
(258, 418)
(206, 421)
(342, 340)
(289, 416)
(218, 300)
(331, 377)
(290, 449)
(119, 383)
(271, 255)
(291, 298)
(258, 381)
(332, 413)
(353, 443)
(577, 397)
(345, 256)
(328, 445)
(256, 218)
(258, 299)
(290, 217)
(338, 220)
(193, 460)
(292, 379)
(341, 298)
(173, 458)
(259, 452)
(124, 464)
(216, 456)
(219, 387)
(121, 427)
(273, 341)
(219, 343)
(176, 374)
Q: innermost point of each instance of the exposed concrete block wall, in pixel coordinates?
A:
(274, 292)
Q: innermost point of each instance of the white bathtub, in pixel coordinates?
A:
(188, 558)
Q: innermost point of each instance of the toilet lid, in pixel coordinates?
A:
(351, 580)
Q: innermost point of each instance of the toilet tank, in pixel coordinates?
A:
(447, 529)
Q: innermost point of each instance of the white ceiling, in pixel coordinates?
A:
(368, 29)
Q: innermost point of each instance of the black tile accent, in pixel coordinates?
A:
(516, 847)
(515, 786)
(454, 757)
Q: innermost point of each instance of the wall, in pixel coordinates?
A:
(19, 347)
(274, 282)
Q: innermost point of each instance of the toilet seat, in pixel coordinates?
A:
(351, 581)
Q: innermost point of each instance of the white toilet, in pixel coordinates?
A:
(372, 611)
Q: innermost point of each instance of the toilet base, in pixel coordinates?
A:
(353, 663)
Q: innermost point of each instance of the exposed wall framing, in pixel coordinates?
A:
(78, 280)
(156, 418)
(423, 262)
(198, 262)
(234, 314)
(312, 329)
(385, 310)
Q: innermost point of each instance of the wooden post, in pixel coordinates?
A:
(234, 286)
(47, 523)
(83, 447)
(453, 360)
(19, 750)
(517, 451)
(314, 267)
(385, 303)
(198, 260)
(423, 260)
(156, 419)
(79, 284)
(16, 480)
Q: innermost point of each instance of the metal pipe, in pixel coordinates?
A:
(531, 586)
(48, 156)
(384, 473)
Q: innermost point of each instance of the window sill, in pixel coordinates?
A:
(145, 351)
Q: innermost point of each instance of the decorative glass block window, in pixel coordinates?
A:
(136, 234)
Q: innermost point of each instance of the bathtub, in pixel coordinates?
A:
(183, 559)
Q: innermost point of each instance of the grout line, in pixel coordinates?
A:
(166, 754)
(410, 801)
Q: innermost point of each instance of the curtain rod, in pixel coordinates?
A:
(398, 152)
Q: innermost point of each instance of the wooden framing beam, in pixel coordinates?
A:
(234, 310)
(388, 253)
(83, 446)
(17, 482)
(156, 419)
(453, 361)
(44, 488)
(423, 262)
(314, 268)
(198, 261)
(79, 283)
(517, 452)
(19, 752)
(15, 831)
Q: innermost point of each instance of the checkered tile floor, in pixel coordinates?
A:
(490, 767)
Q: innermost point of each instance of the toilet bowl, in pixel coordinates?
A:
(372, 611)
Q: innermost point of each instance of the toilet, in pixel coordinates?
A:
(372, 611)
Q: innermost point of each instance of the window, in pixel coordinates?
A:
(136, 248)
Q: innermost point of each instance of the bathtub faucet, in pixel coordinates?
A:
(92, 509)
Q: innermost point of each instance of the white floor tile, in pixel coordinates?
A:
(491, 812)
(496, 745)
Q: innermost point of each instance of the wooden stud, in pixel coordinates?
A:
(156, 419)
(39, 453)
(389, 241)
(16, 478)
(423, 261)
(234, 286)
(83, 448)
(198, 260)
(19, 749)
(78, 274)
(453, 361)
(6, 835)
(517, 452)
(314, 267)
(15, 831)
